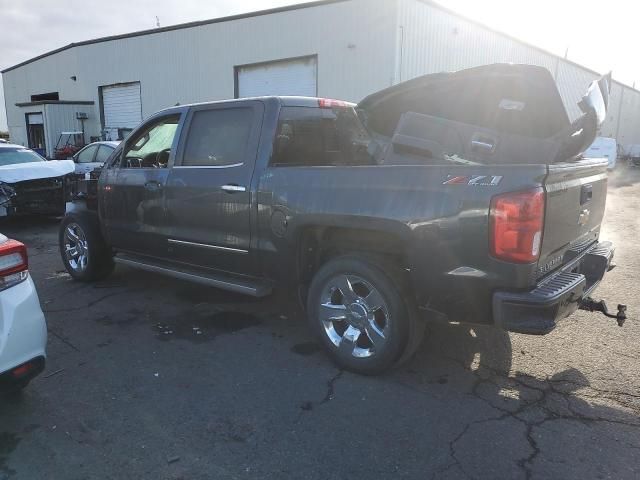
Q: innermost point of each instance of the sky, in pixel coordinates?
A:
(600, 35)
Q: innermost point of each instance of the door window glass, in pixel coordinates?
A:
(218, 138)
(151, 147)
(86, 155)
(103, 153)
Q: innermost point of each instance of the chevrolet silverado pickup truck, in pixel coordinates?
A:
(454, 197)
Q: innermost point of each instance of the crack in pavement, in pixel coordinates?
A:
(547, 386)
(308, 406)
(331, 388)
(92, 302)
(63, 339)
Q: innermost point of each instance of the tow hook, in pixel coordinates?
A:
(590, 305)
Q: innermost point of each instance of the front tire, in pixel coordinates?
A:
(360, 310)
(83, 250)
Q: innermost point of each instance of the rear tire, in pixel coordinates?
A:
(360, 309)
(84, 252)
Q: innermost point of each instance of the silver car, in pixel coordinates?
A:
(93, 156)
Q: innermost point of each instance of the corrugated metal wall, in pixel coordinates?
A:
(629, 128)
(433, 40)
(62, 118)
(23, 131)
(354, 42)
(362, 46)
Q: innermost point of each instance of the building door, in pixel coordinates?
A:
(121, 109)
(35, 132)
(283, 77)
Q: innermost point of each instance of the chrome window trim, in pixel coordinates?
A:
(209, 166)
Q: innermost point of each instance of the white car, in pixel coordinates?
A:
(23, 330)
(93, 156)
(604, 147)
(29, 184)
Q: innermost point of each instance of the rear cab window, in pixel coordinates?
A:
(313, 136)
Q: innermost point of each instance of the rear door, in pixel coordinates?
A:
(208, 194)
(133, 213)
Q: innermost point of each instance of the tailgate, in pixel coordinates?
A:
(576, 196)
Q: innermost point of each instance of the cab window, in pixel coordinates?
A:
(151, 147)
(310, 136)
(218, 137)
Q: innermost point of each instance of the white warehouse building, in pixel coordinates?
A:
(343, 49)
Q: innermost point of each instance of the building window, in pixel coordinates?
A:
(45, 96)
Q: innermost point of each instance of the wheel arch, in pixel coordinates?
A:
(316, 243)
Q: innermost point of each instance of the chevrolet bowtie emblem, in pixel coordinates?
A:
(583, 219)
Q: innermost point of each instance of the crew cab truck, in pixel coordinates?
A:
(457, 197)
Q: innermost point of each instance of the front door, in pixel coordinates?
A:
(133, 188)
(208, 194)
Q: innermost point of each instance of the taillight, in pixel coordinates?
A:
(516, 224)
(13, 263)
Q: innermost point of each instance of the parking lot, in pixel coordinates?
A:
(150, 377)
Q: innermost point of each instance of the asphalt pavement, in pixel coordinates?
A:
(154, 378)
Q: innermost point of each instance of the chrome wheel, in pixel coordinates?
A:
(76, 247)
(354, 315)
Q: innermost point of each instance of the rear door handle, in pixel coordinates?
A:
(153, 186)
(233, 188)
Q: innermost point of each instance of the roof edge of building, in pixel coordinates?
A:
(298, 6)
(55, 102)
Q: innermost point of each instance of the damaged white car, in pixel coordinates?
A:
(29, 184)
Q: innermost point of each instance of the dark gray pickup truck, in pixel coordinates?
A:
(455, 197)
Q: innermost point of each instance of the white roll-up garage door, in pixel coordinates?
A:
(284, 77)
(122, 108)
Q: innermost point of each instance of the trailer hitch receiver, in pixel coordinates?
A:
(590, 305)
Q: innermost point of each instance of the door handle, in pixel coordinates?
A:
(233, 188)
(153, 186)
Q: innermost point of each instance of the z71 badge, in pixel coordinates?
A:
(473, 180)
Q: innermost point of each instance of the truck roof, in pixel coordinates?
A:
(283, 100)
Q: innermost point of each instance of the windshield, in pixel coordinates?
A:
(11, 156)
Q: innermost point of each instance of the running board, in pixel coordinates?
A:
(253, 288)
